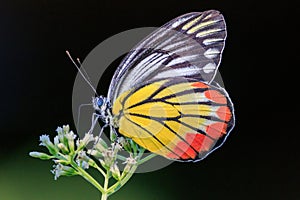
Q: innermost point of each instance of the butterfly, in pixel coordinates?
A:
(163, 95)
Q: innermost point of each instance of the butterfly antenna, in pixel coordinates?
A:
(81, 73)
(83, 70)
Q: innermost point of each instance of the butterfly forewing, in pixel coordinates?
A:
(189, 46)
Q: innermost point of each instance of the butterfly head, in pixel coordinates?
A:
(100, 105)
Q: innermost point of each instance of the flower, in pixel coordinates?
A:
(56, 140)
(130, 161)
(61, 170)
(84, 160)
(59, 130)
(109, 157)
(45, 141)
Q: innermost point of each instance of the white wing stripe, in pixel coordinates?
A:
(174, 46)
(211, 53)
(186, 71)
(210, 67)
(142, 64)
(209, 41)
(181, 21)
(149, 68)
(182, 59)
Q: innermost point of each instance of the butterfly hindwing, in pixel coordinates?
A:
(188, 46)
(181, 119)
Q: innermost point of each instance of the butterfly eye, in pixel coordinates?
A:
(100, 101)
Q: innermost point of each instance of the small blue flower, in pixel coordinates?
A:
(59, 130)
(44, 139)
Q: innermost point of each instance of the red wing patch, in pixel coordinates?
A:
(224, 113)
(199, 85)
(216, 130)
(215, 96)
(193, 144)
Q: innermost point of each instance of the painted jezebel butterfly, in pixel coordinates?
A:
(163, 96)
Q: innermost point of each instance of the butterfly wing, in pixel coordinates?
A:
(188, 46)
(178, 118)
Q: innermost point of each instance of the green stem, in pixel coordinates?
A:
(152, 155)
(100, 170)
(87, 176)
(104, 196)
(105, 187)
(123, 158)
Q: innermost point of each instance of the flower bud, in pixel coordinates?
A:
(40, 155)
(56, 140)
(95, 153)
(66, 128)
(115, 171)
(63, 148)
(70, 137)
(61, 135)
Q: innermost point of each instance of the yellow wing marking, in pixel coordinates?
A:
(117, 107)
(148, 133)
(191, 23)
(194, 109)
(143, 93)
(208, 32)
(154, 109)
(172, 90)
(140, 136)
(201, 25)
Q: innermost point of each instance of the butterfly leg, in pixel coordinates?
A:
(95, 118)
(99, 135)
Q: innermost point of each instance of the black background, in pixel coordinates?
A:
(259, 160)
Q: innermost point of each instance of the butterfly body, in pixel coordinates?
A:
(162, 97)
(102, 106)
